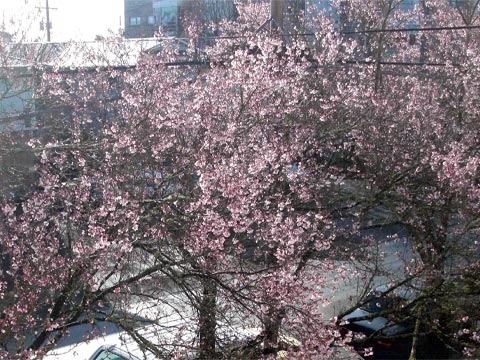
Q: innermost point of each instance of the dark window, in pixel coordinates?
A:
(412, 39)
(376, 303)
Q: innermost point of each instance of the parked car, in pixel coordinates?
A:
(111, 352)
(382, 327)
(380, 334)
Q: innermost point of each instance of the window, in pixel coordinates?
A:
(107, 355)
(136, 20)
(460, 3)
(151, 20)
(408, 5)
(412, 39)
(167, 18)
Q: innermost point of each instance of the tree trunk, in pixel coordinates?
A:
(416, 332)
(207, 319)
(272, 322)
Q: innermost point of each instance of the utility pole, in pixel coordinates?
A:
(48, 20)
(276, 14)
(48, 24)
(277, 11)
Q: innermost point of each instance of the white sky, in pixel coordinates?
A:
(73, 19)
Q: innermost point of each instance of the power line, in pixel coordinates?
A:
(438, 28)
(354, 62)
(397, 63)
(418, 29)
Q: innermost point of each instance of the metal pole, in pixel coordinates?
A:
(48, 20)
(276, 13)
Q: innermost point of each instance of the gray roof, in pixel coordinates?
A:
(114, 52)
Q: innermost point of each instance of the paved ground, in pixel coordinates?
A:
(343, 295)
(344, 354)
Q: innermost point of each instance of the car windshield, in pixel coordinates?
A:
(107, 355)
(376, 303)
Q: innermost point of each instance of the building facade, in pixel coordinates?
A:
(145, 18)
(138, 19)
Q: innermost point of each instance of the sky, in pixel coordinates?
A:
(71, 19)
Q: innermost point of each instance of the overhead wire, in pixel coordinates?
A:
(352, 32)
(413, 29)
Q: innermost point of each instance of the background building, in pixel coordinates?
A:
(145, 18)
(139, 19)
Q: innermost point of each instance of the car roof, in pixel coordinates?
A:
(404, 292)
(377, 323)
(113, 350)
